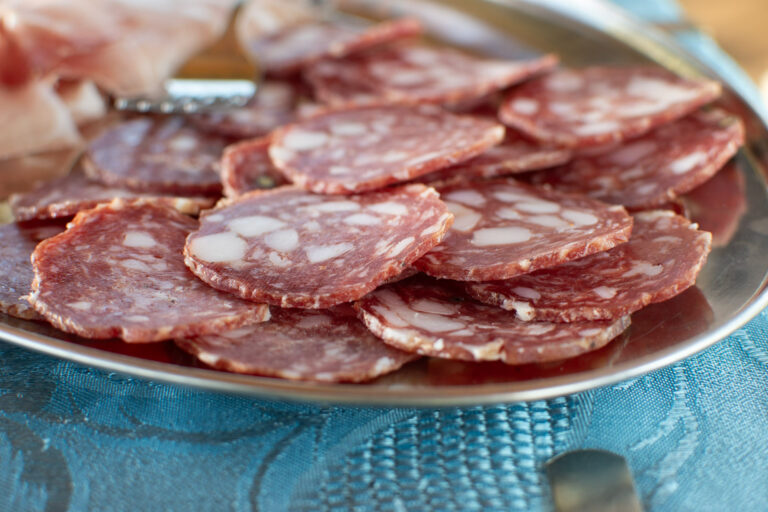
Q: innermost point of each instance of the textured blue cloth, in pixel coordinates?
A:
(74, 439)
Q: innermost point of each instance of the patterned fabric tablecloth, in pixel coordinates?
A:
(73, 438)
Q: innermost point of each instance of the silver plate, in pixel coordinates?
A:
(731, 288)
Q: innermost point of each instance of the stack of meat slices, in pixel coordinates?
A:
(430, 206)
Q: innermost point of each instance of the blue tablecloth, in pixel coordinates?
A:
(74, 438)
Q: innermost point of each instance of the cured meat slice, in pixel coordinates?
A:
(514, 155)
(503, 228)
(602, 105)
(64, 197)
(246, 166)
(323, 346)
(292, 48)
(291, 248)
(435, 318)
(16, 245)
(273, 106)
(417, 74)
(652, 170)
(156, 155)
(361, 149)
(662, 259)
(118, 271)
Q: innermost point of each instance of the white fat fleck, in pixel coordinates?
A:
(81, 305)
(336, 206)
(588, 333)
(138, 239)
(283, 240)
(550, 221)
(216, 217)
(644, 268)
(299, 140)
(605, 292)
(631, 153)
(406, 78)
(320, 253)
(182, 143)
(660, 91)
(137, 318)
(431, 306)
(500, 236)
(347, 129)
(225, 246)
(523, 310)
(255, 225)
(528, 293)
(597, 128)
(538, 206)
(362, 219)
(400, 246)
(312, 226)
(470, 197)
(507, 213)
(580, 218)
(430, 322)
(464, 218)
(277, 260)
(688, 162)
(510, 197)
(393, 156)
(135, 265)
(562, 109)
(336, 170)
(539, 328)
(389, 208)
(425, 157)
(564, 82)
(525, 106)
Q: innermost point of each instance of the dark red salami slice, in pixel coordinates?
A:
(601, 105)
(663, 258)
(435, 318)
(654, 169)
(158, 155)
(503, 228)
(514, 155)
(361, 149)
(64, 197)
(323, 346)
(273, 106)
(293, 48)
(417, 74)
(118, 271)
(291, 248)
(16, 245)
(246, 166)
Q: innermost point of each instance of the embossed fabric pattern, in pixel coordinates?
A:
(74, 439)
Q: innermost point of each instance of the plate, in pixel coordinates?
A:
(729, 292)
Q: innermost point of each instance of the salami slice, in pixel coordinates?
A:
(602, 105)
(435, 318)
(654, 169)
(158, 155)
(503, 228)
(417, 74)
(662, 259)
(246, 166)
(293, 48)
(271, 107)
(64, 197)
(356, 150)
(291, 248)
(514, 155)
(118, 271)
(323, 346)
(16, 245)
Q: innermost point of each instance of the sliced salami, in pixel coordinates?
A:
(656, 168)
(503, 228)
(118, 271)
(290, 248)
(322, 346)
(662, 259)
(273, 106)
(64, 197)
(17, 242)
(435, 318)
(602, 105)
(514, 155)
(356, 150)
(293, 48)
(417, 74)
(246, 166)
(158, 155)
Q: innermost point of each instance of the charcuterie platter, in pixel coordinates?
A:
(606, 345)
